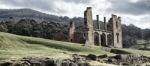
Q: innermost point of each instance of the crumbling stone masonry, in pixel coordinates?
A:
(108, 34)
(114, 25)
(89, 32)
(102, 33)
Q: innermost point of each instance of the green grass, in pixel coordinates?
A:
(14, 47)
(140, 44)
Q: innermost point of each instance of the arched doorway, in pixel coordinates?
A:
(96, 39)
(109, 39)
(103, 40)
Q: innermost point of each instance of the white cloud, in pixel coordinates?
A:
(69, 9)
(142, 21)
(134, 1)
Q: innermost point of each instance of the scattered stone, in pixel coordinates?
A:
(91, 57)
(103, 56)
(78, 60)
(6, 64)
(83, 64)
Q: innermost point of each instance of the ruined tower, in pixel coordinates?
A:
(89, 32)
(71, 31)
(116, 29)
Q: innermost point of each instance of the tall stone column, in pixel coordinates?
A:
(105, 24)
(120, 32)
(88, 21)
(71, 31)
(106, 39)
(99, 36)
(98, 25)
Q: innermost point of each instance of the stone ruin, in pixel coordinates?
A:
(88, 22)
(82, 60)
(108, 34)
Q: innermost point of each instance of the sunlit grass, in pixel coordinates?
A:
(14, 47)
(135, 51)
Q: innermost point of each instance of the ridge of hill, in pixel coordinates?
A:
(26, 13)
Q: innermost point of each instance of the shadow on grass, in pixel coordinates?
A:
(117, 51)
(148, 49)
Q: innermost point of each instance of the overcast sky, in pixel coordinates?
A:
(135, 12)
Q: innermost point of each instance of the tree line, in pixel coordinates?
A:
(59, 31)
(29, 27)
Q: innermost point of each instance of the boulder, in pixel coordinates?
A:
(91, 57)
(6, 64)
(103, 56)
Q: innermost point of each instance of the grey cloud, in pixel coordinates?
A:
(45, 5)
(125, 6)
(78, 1)
(42, 5)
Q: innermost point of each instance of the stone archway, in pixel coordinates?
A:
(109, 40)
(103, 39)
(96, 38)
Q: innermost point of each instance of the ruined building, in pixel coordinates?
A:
(106, 33)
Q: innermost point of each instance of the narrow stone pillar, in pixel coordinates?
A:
(71, 31)
(99, 25)
(97, 17)
(99, 37)
(106, 39)
(88, 21)
(105, 24)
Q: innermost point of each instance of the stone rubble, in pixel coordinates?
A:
(82, 60)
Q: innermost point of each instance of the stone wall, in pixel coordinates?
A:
(115, 27)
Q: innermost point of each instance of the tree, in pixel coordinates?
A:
(3, 29)
(131, 33)
(23, 27)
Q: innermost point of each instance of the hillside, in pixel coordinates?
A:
(14, 47)
(131, 33)
(18, 14)
(26, 13)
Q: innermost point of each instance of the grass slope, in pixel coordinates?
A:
(135, 51)
(140, 44)
(14, 47)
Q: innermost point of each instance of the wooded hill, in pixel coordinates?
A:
(30, 22)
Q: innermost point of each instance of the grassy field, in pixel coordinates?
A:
(140, 44)
(135, 51)
(14, 47)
